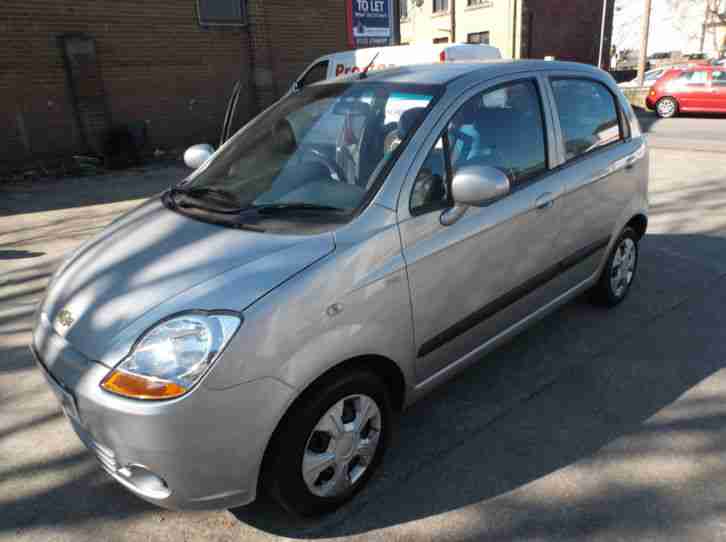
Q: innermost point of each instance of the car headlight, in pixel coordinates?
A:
(172, 356)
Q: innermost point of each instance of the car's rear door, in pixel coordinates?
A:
(599, 166)
(473, 279)
(694, 92)
(718, 89)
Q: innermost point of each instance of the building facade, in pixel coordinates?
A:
(565, 29)
(72, 69)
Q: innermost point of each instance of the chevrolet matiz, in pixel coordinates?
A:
(260, 325)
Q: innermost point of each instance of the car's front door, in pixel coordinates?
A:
(471, 280)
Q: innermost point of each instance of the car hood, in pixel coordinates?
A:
(153, 262)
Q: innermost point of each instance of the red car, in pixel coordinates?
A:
(693, 89)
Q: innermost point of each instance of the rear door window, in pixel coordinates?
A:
(719, 79)
(695, 78)
(588, 115)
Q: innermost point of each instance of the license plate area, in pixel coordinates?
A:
(65, 397)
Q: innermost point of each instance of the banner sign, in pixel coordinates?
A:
(369, 23)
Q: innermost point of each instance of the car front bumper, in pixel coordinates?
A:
(203, 450)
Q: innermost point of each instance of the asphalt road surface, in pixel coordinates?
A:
(593, 425)
(685, 132)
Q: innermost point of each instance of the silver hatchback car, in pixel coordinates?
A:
(260, 325)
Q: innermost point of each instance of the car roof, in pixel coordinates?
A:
(443, 73)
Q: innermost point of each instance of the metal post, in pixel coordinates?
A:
(644, 32)
(602, 33)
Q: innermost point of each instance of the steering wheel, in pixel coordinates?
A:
(318, 155)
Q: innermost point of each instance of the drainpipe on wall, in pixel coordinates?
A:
(452, 11)
(602, 34)
(396, 19)
(514, 31)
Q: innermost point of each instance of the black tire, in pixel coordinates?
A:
(666, 107)
(604, 293)
(283, 478)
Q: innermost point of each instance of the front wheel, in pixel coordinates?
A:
(619, 272)
(666, 108)
(328, 447)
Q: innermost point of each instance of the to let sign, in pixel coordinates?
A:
(369, 22)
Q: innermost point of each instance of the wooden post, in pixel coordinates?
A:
(644, 33)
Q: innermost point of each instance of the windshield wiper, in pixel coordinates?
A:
(220, 195)
(295, 206)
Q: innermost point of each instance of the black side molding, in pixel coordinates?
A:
(511, 297)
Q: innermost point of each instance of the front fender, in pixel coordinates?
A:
(323, 317)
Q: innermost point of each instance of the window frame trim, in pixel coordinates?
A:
(324, 60)
(442, 10)
(547, 125)
(623, 123)
(488, 35)
(244, 15)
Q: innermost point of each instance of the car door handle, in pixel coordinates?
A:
(545, 201)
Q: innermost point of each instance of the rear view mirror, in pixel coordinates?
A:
(354, 108)
(479, 185)
(196, 155)
(475, 185)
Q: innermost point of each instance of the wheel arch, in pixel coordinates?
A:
(639, 223)
(385, 368)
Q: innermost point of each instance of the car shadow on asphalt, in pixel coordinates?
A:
(564, 393)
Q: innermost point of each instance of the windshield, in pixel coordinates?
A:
(319, 149)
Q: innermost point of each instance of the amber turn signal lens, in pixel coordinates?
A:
(141, 387)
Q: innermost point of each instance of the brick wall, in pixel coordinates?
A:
(156, 65)
(565, 29)
(289, 36)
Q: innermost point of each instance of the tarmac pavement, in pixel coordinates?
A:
(593, 425)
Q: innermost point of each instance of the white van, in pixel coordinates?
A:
(378, 58)
(348, 62)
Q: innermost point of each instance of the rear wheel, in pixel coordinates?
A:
(666, 107)
(619, 272)
(328, 447)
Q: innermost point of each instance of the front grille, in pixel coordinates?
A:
(104, 455)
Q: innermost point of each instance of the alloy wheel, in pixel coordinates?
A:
(622, 269)
(342, 446)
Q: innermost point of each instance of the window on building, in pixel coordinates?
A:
(478, 37)
(487, 3)
(441, 5)
(221, 12)
(441, 40)
(403, 8)
(588, 115)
